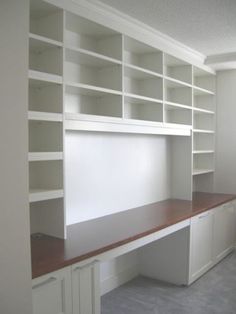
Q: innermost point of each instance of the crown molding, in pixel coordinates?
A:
(95, 4)
(223, 61)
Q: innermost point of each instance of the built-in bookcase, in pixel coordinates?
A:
(87, 76)
(45, 117)
(203, 138)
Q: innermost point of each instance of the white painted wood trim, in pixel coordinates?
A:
(124, 128)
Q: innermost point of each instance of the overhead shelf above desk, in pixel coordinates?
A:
(72, 123)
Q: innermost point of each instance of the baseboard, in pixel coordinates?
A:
(118, 279)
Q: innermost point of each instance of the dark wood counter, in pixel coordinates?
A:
(90, 238)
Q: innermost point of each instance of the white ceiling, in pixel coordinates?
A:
(208, 26)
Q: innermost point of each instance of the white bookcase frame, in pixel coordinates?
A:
(85, 75)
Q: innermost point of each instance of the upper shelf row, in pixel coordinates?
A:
(95, 48)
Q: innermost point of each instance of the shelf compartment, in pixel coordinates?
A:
(203, 121)
(178, 93)
(90, 102)
(203, 163)
(46, 20)
(202, 141)
(148, 86)
(47, 216)
(45, 136)
(45, 156)
(45, 97)
(85, 69)
(45, 57)
(177, 69)
(142, 55)
(203, 182)
(204, 101)
(138, 109)
(203, 79)
(37, 195)
(45, 177)
(177, 115)
(91, 36)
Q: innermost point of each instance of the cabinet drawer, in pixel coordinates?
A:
(52, 293)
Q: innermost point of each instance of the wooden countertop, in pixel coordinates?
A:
(90, 238)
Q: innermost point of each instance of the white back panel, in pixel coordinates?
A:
(108, 173)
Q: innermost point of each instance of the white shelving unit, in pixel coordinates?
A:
(81, 33)
(203, 137)
(143, 57)
(84, 76)
(45, 117)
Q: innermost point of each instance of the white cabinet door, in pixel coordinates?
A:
(52, 293)
(223, 231)
(86, 288)
(200, 244)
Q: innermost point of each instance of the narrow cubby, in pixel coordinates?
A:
(45, 175)
(84, 34)
(177, 69)
(203, 79)
(46, 20)
(203, 142)
(45, 96)
(177, 115)
(45, 178)
(203, 182)
(203, 163)
(139, 109)
(45, 136)
(203, 120)
(143, 56)
(81, 68)
(142, 84)
(204, 101)
(47, 217)
(90, 102)
(177, 93)
(45, 57)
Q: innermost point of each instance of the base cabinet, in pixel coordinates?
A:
(52, 293)
(71, 290)
(212, 237)
(200, 244)
(223, 231)
(86, 289)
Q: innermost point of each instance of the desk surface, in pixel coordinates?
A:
(90, 238)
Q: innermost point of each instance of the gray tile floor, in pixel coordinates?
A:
(214, 293)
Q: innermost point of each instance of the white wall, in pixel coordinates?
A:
(107, 173)
(225, 176)
(15, 268)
